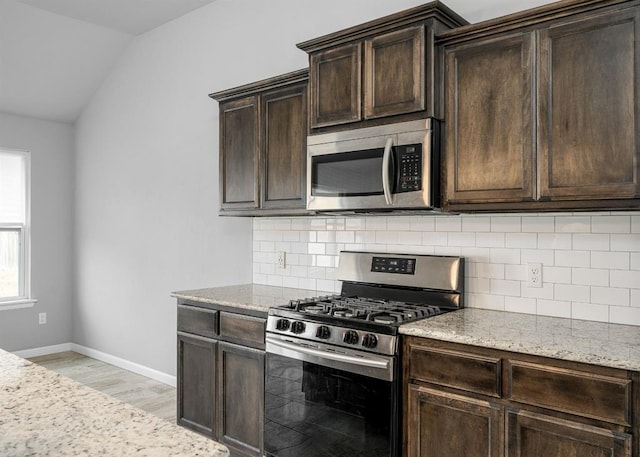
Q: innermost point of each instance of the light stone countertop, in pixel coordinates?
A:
(44, 414)
(253, 297)
(597, 343)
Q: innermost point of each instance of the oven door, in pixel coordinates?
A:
(319, 403)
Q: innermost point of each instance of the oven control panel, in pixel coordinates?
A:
(393, 265)
(332, 334)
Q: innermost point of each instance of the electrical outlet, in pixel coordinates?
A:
(282, 259)
(42, 318)
(534, 275)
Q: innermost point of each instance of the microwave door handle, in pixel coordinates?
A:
(386, 161)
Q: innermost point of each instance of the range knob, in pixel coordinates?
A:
(283, 324)
(369, 341)
(351, 337)
(298, 327)
(323, 332)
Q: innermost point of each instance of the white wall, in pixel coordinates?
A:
(51, 145)
(147, 152)
(590, 261)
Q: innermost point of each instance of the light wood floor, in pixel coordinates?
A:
(152, 396)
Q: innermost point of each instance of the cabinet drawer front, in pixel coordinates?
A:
(575, 392)
(470, 372)
(198, 321)
(246, 330)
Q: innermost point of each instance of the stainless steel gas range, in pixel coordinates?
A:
(333, 382)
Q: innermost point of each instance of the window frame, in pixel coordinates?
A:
(24, 298)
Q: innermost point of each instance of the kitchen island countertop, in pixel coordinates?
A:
(596, 343)
(43, 413)
(254, 297)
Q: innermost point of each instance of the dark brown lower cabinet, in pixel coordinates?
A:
(241, 398)
(221, 376)
(468, 401)
(196, 383)
(535, 435)
(453, 425)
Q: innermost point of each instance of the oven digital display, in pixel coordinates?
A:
(393, 265)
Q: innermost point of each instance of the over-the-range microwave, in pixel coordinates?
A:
(372, 169)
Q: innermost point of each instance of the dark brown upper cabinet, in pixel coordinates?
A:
(541, 109)
(263, 140)
(379, 69)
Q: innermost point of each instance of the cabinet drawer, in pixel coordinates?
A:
(470, 372)
(246, 330)
(570, 391)
(198, 321)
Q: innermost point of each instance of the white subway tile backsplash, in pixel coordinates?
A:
(624, 315)
(590, 276)
(610, 296)
(572, 258)
(591, 261)
(630, 279)
(555, 308)
(589, 312)
(625, 243)
(448, 224)
(476, 224)
(554, 241)
(611, 224)
(506, 224)
(538, 224)
(570, 293)
(573, 224)
(591, 242)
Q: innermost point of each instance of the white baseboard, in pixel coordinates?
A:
(102, 356)
(46, 350)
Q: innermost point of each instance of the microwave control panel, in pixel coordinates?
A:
(409, 166)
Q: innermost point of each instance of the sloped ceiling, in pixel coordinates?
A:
(54, 54)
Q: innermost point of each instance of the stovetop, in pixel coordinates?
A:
(348, 308)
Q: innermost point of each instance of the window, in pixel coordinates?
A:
(14, 229)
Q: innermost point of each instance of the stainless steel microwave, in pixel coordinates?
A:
(383, 168)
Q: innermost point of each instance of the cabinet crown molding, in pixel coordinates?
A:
(259, 86)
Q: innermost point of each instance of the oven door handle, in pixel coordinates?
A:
(380, 364)
(386, 160)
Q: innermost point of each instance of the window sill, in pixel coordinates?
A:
(19, 303)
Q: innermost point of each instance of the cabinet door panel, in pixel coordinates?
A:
(536, 435)
(285, 144)
(238, 154)
(489, 133)
(440, 424)
(335, 84)
(588, 114)
(196, 384)
(394, 73)
(241, 398)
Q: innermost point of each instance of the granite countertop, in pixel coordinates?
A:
(43, 413)
(253, 297)
(597, 343)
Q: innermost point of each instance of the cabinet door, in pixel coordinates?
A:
(335, 77)
(196, 383)
(284, 142)
(394, 73)
(588, 108)
(535, 435)
(489, 129)
(241, 399)
(440, 424)
(239, 166)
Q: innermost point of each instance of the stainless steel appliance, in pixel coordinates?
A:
(382, 168)
(333, 365)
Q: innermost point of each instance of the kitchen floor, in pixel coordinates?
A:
(152, 396)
